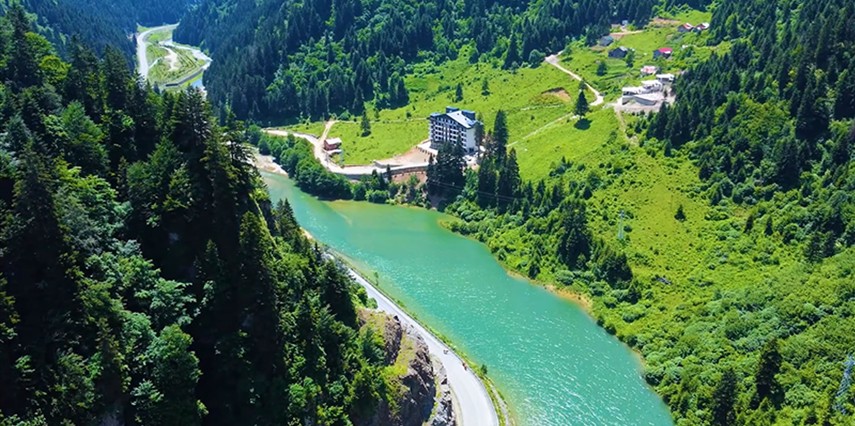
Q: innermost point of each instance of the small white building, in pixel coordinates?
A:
(651, 86)
(665, 78)
(649, 70)
(650, 92)
(455, 125)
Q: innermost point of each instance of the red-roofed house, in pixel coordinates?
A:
(332, 144)
(663, 52)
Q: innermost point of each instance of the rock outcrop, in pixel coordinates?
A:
(419, 393)
(443, 414)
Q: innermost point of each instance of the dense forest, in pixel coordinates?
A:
(98, 23)
(279, 61)
(146, 278)
(770, 120)
(768, 126)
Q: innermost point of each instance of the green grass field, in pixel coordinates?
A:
(161, 72)
(532, 97)
(574, 140)
(584, 60)
(538, 100)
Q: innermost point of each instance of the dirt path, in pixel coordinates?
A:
(620, 34)
(553, 60)
(570, 116)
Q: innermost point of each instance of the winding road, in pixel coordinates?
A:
(553, 60)
(476, 407)
(352, 172)
(142, 47)
(143, 65)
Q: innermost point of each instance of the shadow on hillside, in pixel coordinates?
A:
(583, 124)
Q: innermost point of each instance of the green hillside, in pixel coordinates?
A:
(714, 237)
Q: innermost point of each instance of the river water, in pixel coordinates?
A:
(550, 360)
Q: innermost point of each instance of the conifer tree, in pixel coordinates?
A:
(486, 183)
(724, 398)
(512, 55)
(765, 379)
(365, 124)
(509, 181)
(581, 108)
(499, 143)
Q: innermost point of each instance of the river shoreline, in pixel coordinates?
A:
(578, 299)
(268, 164)
(498, 404)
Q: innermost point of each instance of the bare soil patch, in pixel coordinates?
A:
(662, 22)
(558, 92)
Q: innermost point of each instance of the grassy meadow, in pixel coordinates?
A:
(532, 97)
(689, 48)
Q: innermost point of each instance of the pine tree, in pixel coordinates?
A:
(508, 185)
(581, 107)
(844, 105)
(601, 68)
(512, 55)
(681, 214)
(767, 386)
(365, 124)
(458, 93)
(812, 115)
(574, 243)
(116, 79)
(486, 183)
(724, 398)
(23, 62)
(498, 146)
(446, 176)
(485, 87)
(479, 133)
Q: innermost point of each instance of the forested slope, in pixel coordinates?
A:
(722, 247)
(279, 61)
(146, 278)
(99, 23)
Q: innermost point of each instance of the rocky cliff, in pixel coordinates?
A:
(417, 388)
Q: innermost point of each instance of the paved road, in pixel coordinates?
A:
(142, 46)
(476, 407)
(553, 60)
(143, 66)
(348, 171)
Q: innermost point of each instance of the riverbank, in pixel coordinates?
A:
(477, 404)
(461, 371)
(268, 164)
(167, 64)
(548, 357)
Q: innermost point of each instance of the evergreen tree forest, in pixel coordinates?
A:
(146, 277)
(98, 23)
(279, 61)
(769, 126)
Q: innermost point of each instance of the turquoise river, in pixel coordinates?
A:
(550, 360)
